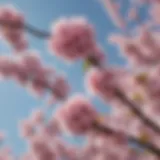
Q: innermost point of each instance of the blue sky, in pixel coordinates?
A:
(15, 102)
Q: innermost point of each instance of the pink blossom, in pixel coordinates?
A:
(77, 115)
(41, 79)
(20, 73)
(51, 129)
(105, 146)
(10, 14)
(37, 117)
(154, 12)
(133, 15)
(32, 61)
(102, 82)
(26, 129)
(12, 27)
(60, 88)
(21, 45)
(64, 150)
(128, 49)
(39, 84)
(113, 11)
(149, 43)
(152, 85)
(128, 123)
(6, 153)
(26, 156)
(6, 67)
(141, 50)
(41, 150)
(72, 39)
(30, 72)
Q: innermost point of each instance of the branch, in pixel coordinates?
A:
(29, 28)
(135, 109)
(144, 145)
(34, 31)
(42, 34)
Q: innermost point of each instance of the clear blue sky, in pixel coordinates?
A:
(15, 102)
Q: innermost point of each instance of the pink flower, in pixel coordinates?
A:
(12, 27)
(6, 153)
(37, 117)
(26, 156)
(112, 9)
(133, 15)
(102, 82)
(6, 67)
(28, 71)
(20, 73)
(141, 50)
(20, 45)
(40, 77)
(31, 61)
(152, 86)
(134, 54)
(41, 150)
(39, 84)
(11, 15)
(60, 88)
(154, 12)
(26, 129)
(51, 129)
(77, 115)
(72, 39)
(61, 147)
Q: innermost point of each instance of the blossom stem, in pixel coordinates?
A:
(34, 31)
(136, 110)
(28, 27)
(143, 144)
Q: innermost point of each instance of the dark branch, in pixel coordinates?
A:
(29, 28)
(136, 110)
(144, 145)
(34, 31)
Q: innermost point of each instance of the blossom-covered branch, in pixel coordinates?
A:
(29, 72)
(135, 109)
(142, 144)
(133, 95)
(109, 84)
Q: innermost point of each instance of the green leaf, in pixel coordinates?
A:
(86, 65)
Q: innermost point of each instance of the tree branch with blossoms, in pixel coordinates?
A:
(142, 144)
(132, 94)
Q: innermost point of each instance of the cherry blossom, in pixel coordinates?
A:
(77, 115)
(131, 129)
(14, 33)
(72, 38)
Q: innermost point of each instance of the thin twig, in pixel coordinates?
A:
(34, 31)
(28, 27)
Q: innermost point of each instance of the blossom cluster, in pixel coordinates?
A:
(131, 131)
(12, 28)
(29, 72)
